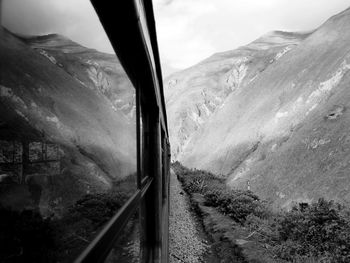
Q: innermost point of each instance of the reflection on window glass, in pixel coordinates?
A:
(127, 247)
(143, 150)
(67, 133)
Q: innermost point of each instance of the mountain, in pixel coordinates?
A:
(270, 116)
(78, 99)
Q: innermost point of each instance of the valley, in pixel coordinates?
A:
(270, 116)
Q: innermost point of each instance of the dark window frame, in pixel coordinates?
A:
(151, 198)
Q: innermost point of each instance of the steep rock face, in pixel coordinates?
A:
(93, 69)
(283, 133)
(193, 95)
(52, 89)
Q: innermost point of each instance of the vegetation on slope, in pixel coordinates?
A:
(317, 232)
(28, 237)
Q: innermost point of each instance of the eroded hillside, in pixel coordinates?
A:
(52, 90)
(270, 116)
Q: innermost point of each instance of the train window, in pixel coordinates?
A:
(68, 135)
(127, 247)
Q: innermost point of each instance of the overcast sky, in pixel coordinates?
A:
(188, 30)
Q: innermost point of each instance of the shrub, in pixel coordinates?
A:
(98, 208)
(82, 221)
(321, 229)
(237, 204)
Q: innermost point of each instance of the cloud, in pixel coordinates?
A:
(188, 30)
(191, 30)
(180, 45)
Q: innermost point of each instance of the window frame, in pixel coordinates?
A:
(151, 199)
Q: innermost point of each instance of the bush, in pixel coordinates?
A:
(237, 204)
(234, 203)
(82, 221)
(322, 229)
(98, 208)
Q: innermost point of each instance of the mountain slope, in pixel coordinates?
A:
(283, 132)
(52, 89)
(193, 95)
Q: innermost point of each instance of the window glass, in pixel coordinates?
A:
(127, 247)
(143, 145)
(67, 131)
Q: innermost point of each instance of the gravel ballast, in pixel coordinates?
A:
(186, 245)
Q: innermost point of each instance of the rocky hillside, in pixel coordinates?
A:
(52, 89)
(270, 116)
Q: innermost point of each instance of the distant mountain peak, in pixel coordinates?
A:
(50, 41)
(278, 38)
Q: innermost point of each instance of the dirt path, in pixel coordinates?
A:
(186, 240)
